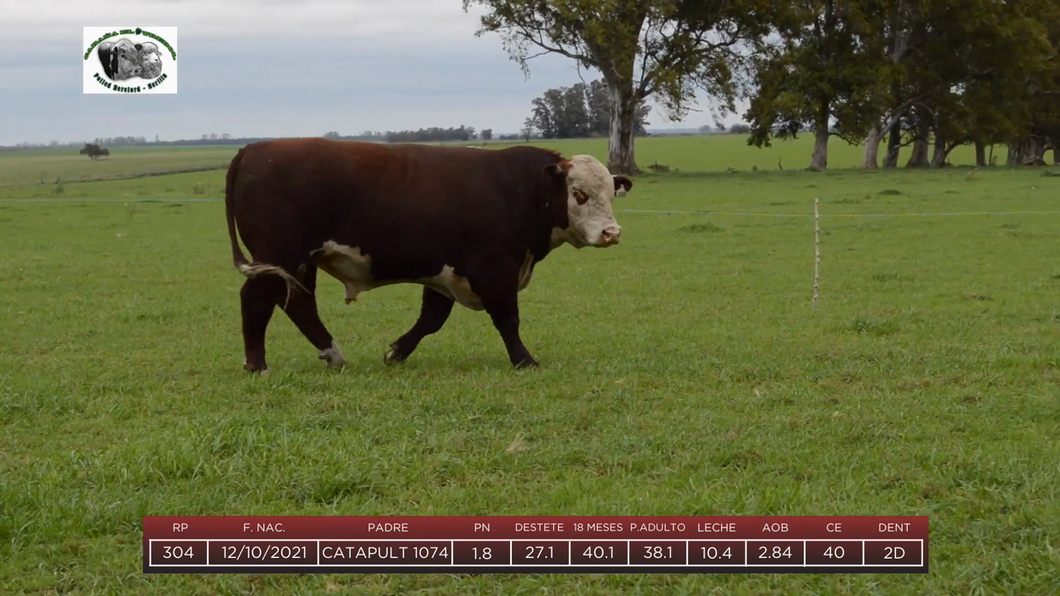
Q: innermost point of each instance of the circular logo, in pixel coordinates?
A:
(131, 60)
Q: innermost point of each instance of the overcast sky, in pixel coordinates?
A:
(273, 68)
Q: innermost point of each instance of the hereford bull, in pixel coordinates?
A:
(120, 59)
(468, 225)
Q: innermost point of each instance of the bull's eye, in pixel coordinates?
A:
(581, 197)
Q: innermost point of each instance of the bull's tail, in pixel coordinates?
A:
(238, 258)
(250, 269)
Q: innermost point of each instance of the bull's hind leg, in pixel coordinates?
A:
(433, 314)
(301, 308)
(258, 298)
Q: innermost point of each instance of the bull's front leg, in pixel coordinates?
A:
(434, 312)
(500, 298)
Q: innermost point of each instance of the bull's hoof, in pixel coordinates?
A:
(527, 362)
(333, 356)
(394, 356)
(262, 369)
(333, 364)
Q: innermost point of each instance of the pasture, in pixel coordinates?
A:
(47, 169)
(683, 373)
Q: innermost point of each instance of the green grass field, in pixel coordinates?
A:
(683, 373)
(21, 169)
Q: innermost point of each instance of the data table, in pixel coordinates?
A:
(535, 544)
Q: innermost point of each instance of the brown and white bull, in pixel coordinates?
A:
(468, 225)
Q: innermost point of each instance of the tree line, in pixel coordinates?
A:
(932, 75)
(578, 111)
(433, 134)
(928, 74)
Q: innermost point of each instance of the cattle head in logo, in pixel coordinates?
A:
(150, 60)
(590, 190)
(123, 59)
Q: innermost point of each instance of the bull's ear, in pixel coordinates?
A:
(558, 170)
(139, 47)
(622, 182)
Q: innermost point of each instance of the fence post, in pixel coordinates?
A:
(816, 252)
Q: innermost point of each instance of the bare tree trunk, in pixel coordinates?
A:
(980, 154)
(891, 127)
(872, 149)
(938, 158)
(1029, 151)
(620, 157)
(1036, 151)
(819, 159)
(894, 146)
(919, 158)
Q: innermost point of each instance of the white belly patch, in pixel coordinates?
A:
(347, 265)
(353, 268)
(454, 286)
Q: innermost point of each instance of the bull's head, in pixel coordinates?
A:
(590, 190)
(150, 59)
(128, 59)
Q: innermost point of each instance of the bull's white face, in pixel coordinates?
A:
(128, 59)
(590, 191)
(150, 61)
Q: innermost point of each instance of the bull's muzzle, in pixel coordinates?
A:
(610, 235)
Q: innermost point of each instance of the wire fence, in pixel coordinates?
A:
(824, 215)
(87, 200)
(643, 211)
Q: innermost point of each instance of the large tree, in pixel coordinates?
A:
(1042, 88)
(666, 50)
(976, 73)
(599, 105)
(817, 78)
(957, 71)
(579, 111)
(900, 36)
(546, 113)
